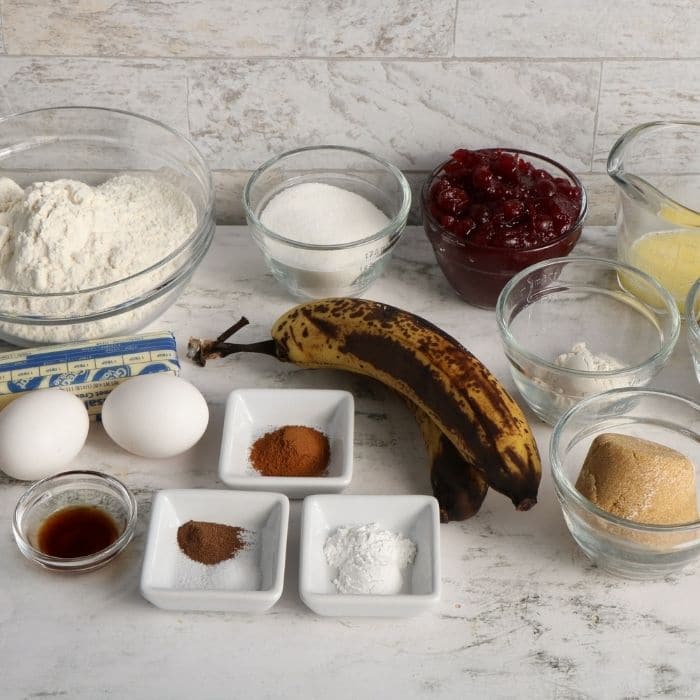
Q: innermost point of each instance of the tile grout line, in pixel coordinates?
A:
(366, 59)
(454, 30)
(597, 114)
(2, 27)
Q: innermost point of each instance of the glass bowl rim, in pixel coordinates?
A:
(659, 356)
(690, 317)
(198, 233)
(566, 489)
(464, 243)
(397, 222)
(90, 560)
(615, 170)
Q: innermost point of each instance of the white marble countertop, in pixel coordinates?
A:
(523, 613)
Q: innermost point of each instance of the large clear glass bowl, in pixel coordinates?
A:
(619, 312)
(621, 546)
(93, 145)
(332, 269)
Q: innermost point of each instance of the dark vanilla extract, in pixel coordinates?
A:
(76, 531)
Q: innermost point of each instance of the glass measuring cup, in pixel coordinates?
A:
(657, 169)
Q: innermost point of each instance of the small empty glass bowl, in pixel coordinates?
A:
(627, 321)
(621, 546)
(692, 311)
(69, 489)
(333, 269)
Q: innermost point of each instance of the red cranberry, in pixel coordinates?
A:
(545, 188)
(453, 199)
(542, 223)
(512, 209)
(463, 227)
(480, 213)
(506, 165)
(562, 222)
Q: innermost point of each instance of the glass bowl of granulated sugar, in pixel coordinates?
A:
(327, 218)
(105, 216)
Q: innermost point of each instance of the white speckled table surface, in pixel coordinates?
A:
(523, 613)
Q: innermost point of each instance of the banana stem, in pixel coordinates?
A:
(200, 350)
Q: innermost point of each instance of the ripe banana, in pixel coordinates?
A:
(422, 363)
(458, 485)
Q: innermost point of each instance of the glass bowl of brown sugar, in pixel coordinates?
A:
(293, 441)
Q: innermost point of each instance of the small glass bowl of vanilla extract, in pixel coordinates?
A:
(75, 521)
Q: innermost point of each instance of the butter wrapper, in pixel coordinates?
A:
(89, 369)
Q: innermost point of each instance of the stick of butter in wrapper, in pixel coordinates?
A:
(89, 369)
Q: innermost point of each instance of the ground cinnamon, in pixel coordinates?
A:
(292, 450)
(210, 543)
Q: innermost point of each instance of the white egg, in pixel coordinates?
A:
(155, 415)
(41, 432)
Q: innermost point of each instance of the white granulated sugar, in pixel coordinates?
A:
(368, 559)
(314, 214)
(65, 236)
(321, 214)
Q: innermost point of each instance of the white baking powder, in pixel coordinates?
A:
(582, 359)
(368, 559)
(66, 236)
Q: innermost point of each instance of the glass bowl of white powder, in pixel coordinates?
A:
(577, 326)
(327, 218)
(104, 217)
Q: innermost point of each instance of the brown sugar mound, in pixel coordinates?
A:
(292, 450)
(639, 480)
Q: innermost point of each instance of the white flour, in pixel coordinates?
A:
(66, 236)
(368, 559)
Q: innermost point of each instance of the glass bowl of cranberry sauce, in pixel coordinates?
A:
(492, 212)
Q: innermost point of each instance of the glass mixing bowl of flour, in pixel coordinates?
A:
(104, 216)
(327, 218)
(576, 326)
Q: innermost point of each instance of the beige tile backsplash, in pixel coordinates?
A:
(411, 80)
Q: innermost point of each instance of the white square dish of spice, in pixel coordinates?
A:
(370, 555)
(211, 549)
(295, 441)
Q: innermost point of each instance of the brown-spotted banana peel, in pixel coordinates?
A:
(422, 363)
